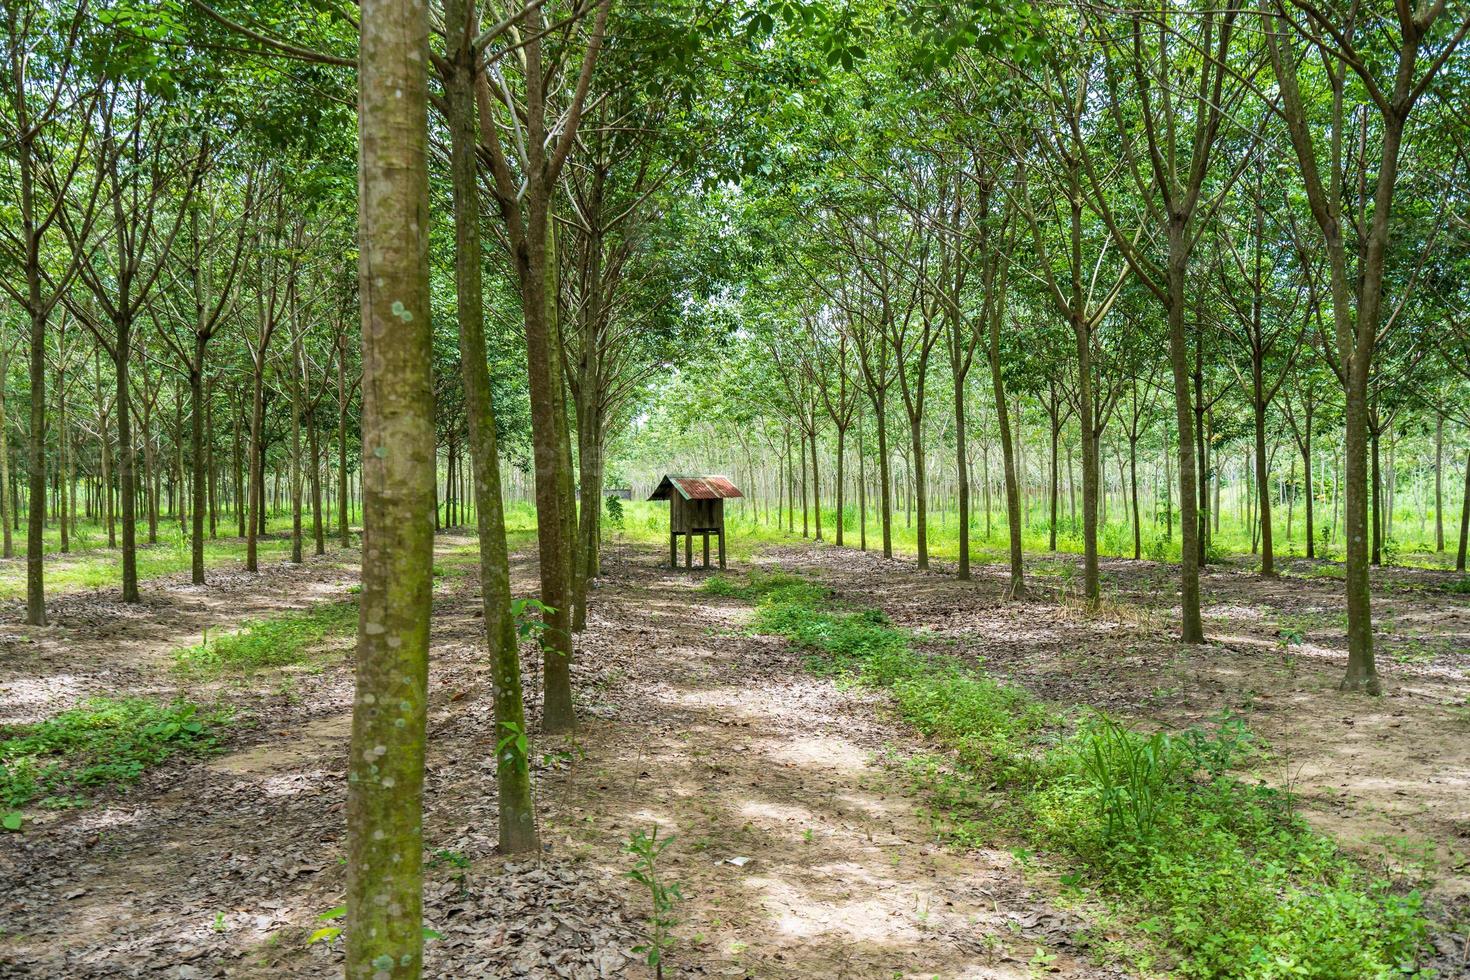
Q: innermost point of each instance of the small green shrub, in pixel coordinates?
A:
(1132, 777)
(105, 742)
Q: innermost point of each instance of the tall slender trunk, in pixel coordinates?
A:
(314, 473)
(841, 483)
(1263, 482)
(254, 519)
(1133, 494)
(1464, 519)
(1376, 489)
(36, 466)
(196, 448)
(1056, 435)
(343, 492)
(63, 469)
(1439, 479)
(1362, 671)
(816, 483)
(1017, 585)
(1091, 464)
(806, 525)
(6, 504)
(295, 472)
(885, 481)
(126, 489)
(513, 780)
(1191, 626)
(920, 488)
(385, 840)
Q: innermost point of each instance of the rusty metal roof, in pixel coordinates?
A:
(696, 488)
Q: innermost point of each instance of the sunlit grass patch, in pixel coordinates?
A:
(1216, 876)
(280, 641)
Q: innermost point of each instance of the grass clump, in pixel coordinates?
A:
(277, 642)
(105, 742)
(1219, 874)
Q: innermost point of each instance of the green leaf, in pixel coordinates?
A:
(331, 914)
(12, 820)
(326, 933)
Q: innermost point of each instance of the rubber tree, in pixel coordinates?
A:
(540, 136)
(512, 768)
(1410, 51)
(385, 843)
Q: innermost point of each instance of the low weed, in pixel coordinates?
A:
(105, 742)
(663, 897)
(277, 642)
(1219, 873)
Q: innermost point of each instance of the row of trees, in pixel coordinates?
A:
(1247, 212)
(1421, 487)
(178, 252)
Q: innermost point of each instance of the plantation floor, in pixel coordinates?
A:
(222, 866)
(1389, 777)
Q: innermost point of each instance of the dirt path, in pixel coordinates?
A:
(1389, 776)
(222, 867)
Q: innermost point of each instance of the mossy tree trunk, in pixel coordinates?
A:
(386, 766)
(513, 780)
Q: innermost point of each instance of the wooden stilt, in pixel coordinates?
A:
(688, 550)
(673, 549)
(706, 549)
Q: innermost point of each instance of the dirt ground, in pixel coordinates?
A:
(1388, 776)
(796, 847)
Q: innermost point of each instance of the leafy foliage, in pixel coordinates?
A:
(104, 743)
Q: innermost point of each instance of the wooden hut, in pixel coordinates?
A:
(696, 507)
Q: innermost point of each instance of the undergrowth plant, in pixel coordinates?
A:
(279, 641)
(1218, 874)
(663, 896)
(105, 742)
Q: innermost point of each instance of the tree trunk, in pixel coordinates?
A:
(318, 529)
(513, 780)
(1464, 519)
(1191, 626)
(254, 522)
(816, 484)
(385, 786)
(1091, 464)
(7, 517)
(1439, 481)
(1133, 493)
(127, 491)
(1362, 672)
(1017, 585)
(1377, 492)
(36, 502)
(1056, 436)
(1263, 482)
(196, 448)
(885, 480)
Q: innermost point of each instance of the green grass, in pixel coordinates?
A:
(1217, 877)
(281, 641)
(104, 743)
(647, 523)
